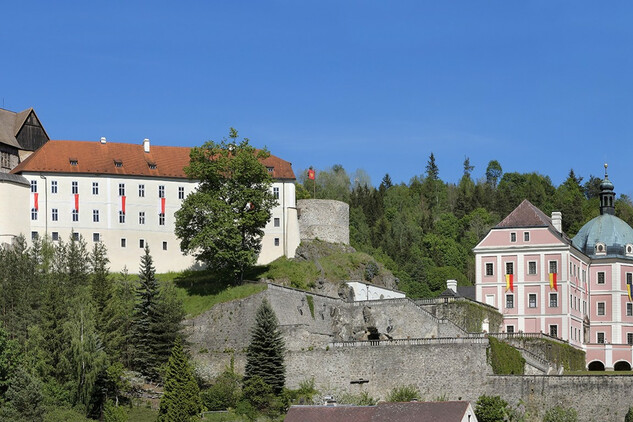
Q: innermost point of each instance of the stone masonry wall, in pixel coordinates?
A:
(324, 219)
(226, 327)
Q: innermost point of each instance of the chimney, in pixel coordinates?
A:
(451, 284)
(557, 221)
(103, 140)
(146, 145)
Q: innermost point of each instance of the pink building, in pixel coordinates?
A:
(574, 289)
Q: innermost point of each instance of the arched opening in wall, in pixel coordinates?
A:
(596, 365)
(622, 366)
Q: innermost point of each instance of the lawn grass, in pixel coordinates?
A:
(142, 414)
(201, 290)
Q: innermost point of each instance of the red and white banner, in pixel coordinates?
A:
(122, 204)
(161, 205)
(76, 202)
(35, 201)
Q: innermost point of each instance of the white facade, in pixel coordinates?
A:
(98, 217)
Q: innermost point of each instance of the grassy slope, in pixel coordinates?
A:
(200, 290)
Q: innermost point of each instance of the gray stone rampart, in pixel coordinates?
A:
(324, 219)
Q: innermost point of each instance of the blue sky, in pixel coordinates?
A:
(379, 85)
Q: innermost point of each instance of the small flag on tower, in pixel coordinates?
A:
(553, 282)
(510, 282)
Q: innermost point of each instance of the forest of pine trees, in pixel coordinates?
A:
(424, 231)
(68, 329)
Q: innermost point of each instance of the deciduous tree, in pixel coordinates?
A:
(222, 222)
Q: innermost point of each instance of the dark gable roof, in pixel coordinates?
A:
(8, 129)
(526, 215)
(98, 158)
(330, 414)
(448, 411)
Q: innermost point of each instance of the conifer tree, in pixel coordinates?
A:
(181, 399)
(156, 321)
(265, 353)
(100, 282)
(118, 319)
(25, 402)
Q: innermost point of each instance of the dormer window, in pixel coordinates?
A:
(118, 163)
(628, 249)
(73, 161)
(270, 169)
(600, 249)
(152, 166)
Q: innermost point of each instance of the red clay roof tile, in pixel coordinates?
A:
(98, 158)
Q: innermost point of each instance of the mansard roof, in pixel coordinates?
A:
(526, 215)
(112, 158)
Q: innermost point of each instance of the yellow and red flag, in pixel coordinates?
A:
(510, 282)
(628, 290)
(311, 174)
(553, 284)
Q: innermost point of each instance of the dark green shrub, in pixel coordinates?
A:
(310, 301)
(491, 409)
(224, 393)
(404, 393)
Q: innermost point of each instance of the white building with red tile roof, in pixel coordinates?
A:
(125, 195)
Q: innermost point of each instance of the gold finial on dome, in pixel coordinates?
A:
(605, 170)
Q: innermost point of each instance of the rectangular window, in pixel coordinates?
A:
(600, 277)
(96, 237)
(121, 189)
(276, 222)
(600, 338)
(276, 241)
(629, 309)
(161, 191)
(509, 267)
(510, 329)
(123, 243)
(553, 300)
(33, 186)
(629, 278)
(54, 186)
(276, 193)
(121, 217)
(181, 192)
(513, 237)
(95, 216)
(532, 267)
(75, 236)
(141, 217)
(161, 219)
(629, 338)
(141, 191)
(75, 215)
(489, 268)
(509, 301)
(6, 160)
(553, 267)
(55, 236)
(532, 300)
(34, 235)
(95, 188)
(164, 246)
(33, 214)
(526, 236)
(601, 308)
(74, 187)
(141, 243)
(553, 330)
